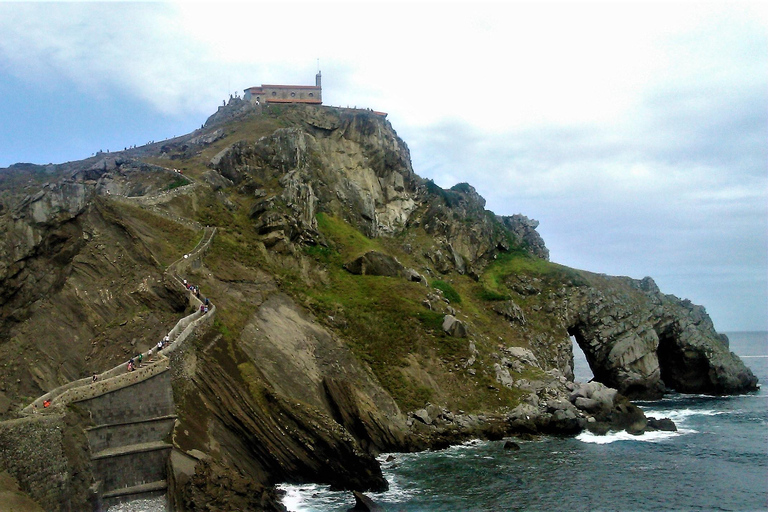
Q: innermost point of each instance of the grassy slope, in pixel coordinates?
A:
(382, 319)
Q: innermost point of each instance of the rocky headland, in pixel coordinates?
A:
(360, 309)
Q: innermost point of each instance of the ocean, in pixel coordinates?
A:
(717, 460)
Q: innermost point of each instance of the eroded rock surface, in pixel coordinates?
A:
(642, 342)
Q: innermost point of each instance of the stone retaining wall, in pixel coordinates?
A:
(144, 399)
(33, 450)
(195, 325)
(193, 259)
(132, 469)
(166, 195)
(104, 437)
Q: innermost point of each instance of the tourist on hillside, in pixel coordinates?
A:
(140, 358)
(95, 377)
(46, 403)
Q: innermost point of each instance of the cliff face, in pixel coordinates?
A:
(360, 308)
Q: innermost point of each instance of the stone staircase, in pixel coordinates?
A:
(133, 413)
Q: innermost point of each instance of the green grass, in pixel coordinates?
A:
(521, 262)
(381, 318)
(347, 241)
(176, 183)
(448, 291)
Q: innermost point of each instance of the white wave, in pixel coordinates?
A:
(311, 497)
(304, 498)
(743, 357)
(647, 437)
(142, 505)
(680, 416)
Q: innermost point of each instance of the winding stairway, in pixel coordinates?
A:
(133, 413)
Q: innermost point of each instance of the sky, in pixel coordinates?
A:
(636, 133)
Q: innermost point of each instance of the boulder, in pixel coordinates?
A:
(503, 377)
(512, 446)
(364, 504)
(414, 276)
(592, 392)
(216, 180)
(452, 326)
(587, 404)
(664, 424)
(423, 416)
(510, 310)
(375, 263)
(523, 354)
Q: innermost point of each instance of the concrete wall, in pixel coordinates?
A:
(131, 469)
(34, 451)
(105, 437)
(147, 399)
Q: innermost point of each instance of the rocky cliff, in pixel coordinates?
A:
(360, 308)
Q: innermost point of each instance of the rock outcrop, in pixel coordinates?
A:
(642, 342)
(360, 308)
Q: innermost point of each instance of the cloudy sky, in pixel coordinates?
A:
(636, 133)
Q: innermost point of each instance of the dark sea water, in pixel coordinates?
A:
(718, 460)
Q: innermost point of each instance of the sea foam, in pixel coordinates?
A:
(646, 437)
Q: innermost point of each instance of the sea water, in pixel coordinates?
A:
(717, 460)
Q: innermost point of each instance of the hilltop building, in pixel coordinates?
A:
(312, 94)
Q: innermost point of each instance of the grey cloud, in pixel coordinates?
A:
(698, 222)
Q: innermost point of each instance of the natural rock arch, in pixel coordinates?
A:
(643, 342)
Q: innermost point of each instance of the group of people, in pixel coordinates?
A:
(206, 304)
(135, 362)
(193, 288)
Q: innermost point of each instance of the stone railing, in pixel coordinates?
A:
(202, 319)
